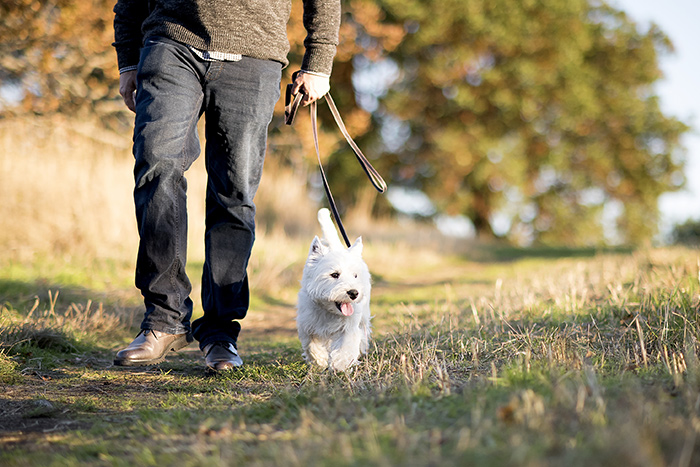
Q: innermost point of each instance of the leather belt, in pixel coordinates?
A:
(292, 103)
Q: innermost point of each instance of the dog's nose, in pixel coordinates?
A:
(353, 294)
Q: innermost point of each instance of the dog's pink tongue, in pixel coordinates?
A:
(346, 309)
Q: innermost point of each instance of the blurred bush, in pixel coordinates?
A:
(687, 233)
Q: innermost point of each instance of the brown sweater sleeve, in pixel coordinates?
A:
(322, 23)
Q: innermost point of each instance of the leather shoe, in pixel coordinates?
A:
(150, 347)
(221, 356)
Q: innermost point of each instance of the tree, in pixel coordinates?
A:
(56, 57)
(542, 110)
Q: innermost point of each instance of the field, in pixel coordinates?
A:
(482, 355)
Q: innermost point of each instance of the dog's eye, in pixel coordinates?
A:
(355, 275)
(335, 275)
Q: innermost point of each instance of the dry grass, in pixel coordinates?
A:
(63, 192)
(67, 189)
(51, 328)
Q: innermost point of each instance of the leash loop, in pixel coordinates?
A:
(372, 174)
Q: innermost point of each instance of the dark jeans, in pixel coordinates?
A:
(175, 88)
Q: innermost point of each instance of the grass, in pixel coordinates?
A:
(573, 360)
(481, 355)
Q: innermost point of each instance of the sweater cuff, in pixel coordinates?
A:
(315, 73)
(319, 59)
(128, 58)
(128, 68)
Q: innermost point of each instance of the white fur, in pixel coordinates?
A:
(329, 337)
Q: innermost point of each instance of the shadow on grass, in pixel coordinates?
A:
(505, 253)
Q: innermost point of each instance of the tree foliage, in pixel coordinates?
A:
(56, 57)
(540, 110)
(687, 233)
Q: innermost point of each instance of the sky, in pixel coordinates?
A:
(679, 91)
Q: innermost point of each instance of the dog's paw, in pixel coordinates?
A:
(317, 354)
(341, 361)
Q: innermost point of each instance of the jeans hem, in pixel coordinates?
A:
(167, 330)
(212, 340)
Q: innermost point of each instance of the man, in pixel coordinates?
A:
(179, 59)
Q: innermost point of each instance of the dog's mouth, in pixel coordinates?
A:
(345, 308)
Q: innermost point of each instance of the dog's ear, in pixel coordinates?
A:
(356, 247)
(317, 250)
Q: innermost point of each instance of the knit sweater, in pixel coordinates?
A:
(255, 28)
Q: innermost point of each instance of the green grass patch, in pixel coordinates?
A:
(9, 373)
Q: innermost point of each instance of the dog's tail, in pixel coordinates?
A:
(328, 229)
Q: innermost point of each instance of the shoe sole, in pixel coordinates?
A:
(176, 345)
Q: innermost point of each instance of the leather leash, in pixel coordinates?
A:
(290, 110)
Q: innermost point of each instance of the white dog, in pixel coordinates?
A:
(333, 306)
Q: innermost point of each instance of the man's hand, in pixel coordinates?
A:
(127, 88)
(313, 86)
